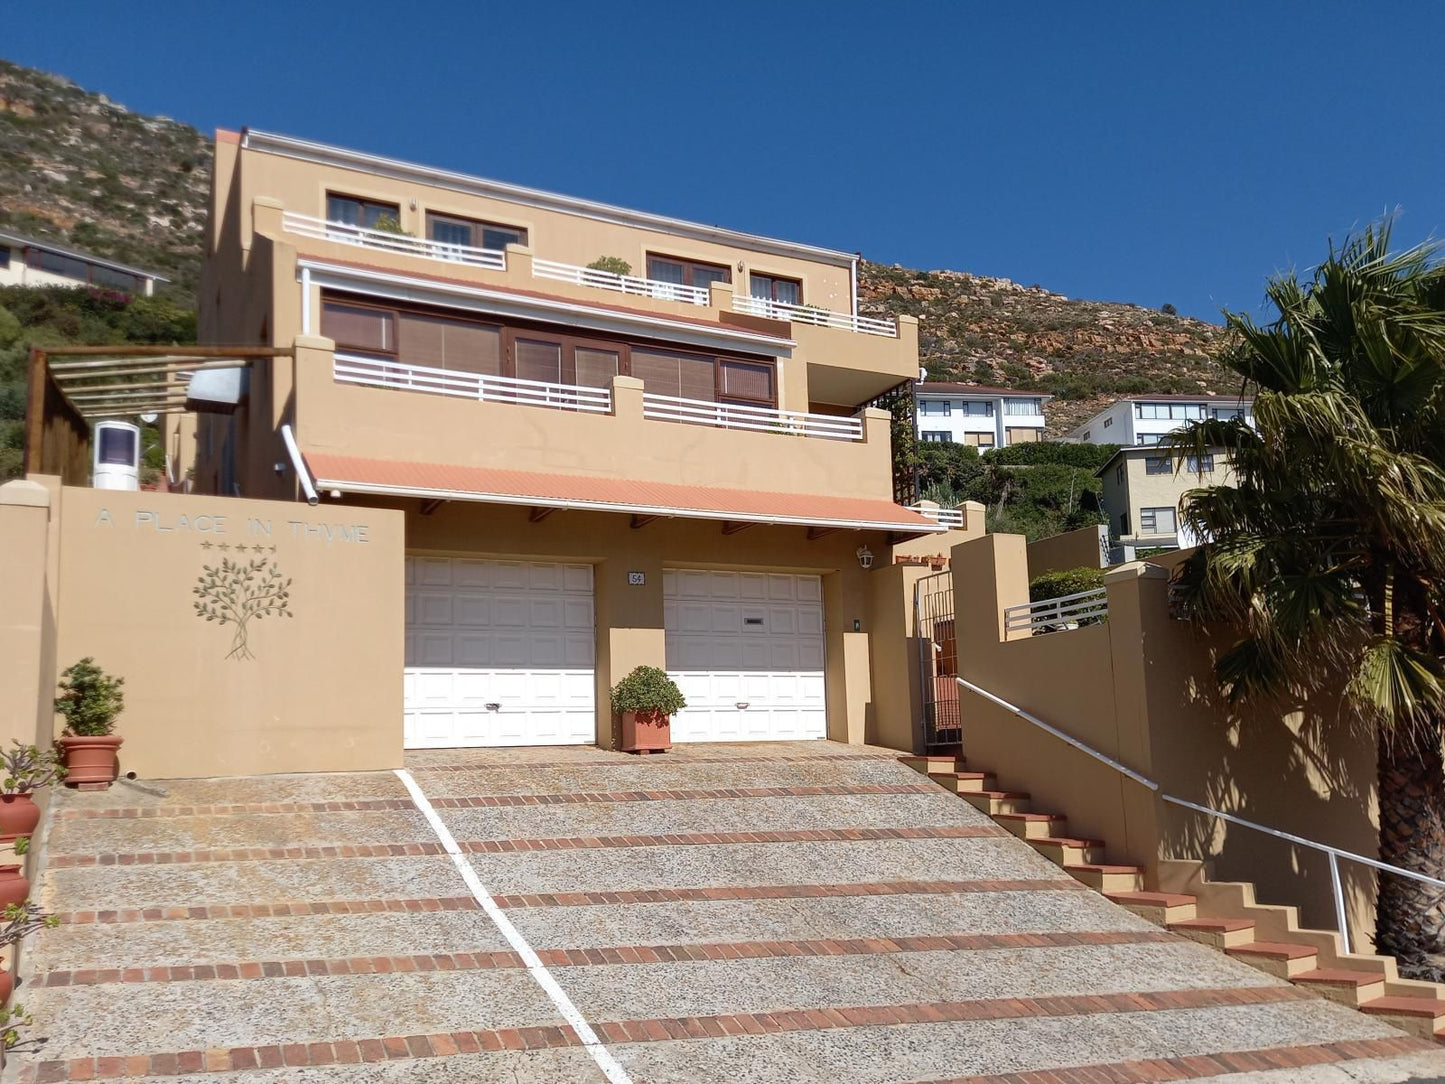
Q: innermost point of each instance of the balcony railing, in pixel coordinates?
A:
(622, 284)
(949, 517)
(804, 314)
(1057, 614)
(762, 419)
(400, 243)
(377, 373)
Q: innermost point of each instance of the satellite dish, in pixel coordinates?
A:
(150, 417)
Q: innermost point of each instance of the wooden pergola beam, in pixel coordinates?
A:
(537, 515)
(639, 521)
(733, 527)
(430, 506)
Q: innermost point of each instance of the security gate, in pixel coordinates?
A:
(941, 728)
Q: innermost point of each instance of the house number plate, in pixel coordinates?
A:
(636, 579)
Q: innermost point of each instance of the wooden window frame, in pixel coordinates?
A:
(477, 224)
(688, 264)
(773, 280)
(395, 208)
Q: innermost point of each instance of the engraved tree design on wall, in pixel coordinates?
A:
(239, 592)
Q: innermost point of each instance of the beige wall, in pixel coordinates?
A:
(24, 526)
(323, 692)
(1088, 547)
(1144, 490)
(1140, 689)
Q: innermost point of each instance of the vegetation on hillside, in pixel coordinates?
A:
(59, 315)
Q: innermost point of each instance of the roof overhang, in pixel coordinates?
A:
(422, 289)
(449, 482)
(50, 246)
(410, 172)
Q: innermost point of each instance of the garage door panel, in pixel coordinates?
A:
(498, 653)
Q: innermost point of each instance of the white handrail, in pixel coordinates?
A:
(623, 284)
(761, 419)
(949, 517)
(381, 373)
(1334, 853)
(1049, 613)
(808, 314)
(405, 244)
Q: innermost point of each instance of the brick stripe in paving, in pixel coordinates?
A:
(626, 954)
(1202, 1066)
(580, 765)
(491, 801)
(563, 899)
(397, 1047)
(551, 843)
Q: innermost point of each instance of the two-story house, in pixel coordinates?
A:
(26, 261)
(618, 438)
(981, 417)
(1140, 421)
(1143, 492)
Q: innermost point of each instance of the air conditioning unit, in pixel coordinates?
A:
(116, 450)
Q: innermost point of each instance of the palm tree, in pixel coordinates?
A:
(1327, 550)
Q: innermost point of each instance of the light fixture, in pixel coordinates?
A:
(865, 557)
(411, 204)
(740, 265)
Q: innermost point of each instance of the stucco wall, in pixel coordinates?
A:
(323, 690)
(1088, 547)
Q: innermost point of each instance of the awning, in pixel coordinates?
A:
(438, 481)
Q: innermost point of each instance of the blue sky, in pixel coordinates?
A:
(1136, 152)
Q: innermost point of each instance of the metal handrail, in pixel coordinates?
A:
(1079, 606)
(1333, 853)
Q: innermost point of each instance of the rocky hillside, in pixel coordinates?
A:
(85, 171)
(981, 330)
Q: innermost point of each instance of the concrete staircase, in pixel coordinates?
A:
(1308, 958)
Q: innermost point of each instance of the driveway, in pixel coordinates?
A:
(793, 912)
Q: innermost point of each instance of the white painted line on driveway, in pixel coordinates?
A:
(538, 969)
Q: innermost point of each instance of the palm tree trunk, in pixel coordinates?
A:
(1410, 915)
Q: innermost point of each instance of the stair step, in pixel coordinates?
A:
(1419, 1016)
(1106, 878)
(1160, 908)
(994, 802)
(1222, 933)
(964, 782)
(1031, 825)
(1352, 988)
(930, 764)
(1062, 849)
(1277, 958)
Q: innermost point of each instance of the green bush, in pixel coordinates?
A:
(615, 265)
(90, 699)
(646, 690)
(1070, 581)
(1088, 456)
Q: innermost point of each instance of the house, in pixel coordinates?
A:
(1143, 490)
(669, 459)
(979, 416)
(1140, 421)
(25, 261)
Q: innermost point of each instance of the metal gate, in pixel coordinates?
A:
(942, 729)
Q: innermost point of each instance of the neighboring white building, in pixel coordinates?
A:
(978, 416)
(1140, 421)
(24, 261)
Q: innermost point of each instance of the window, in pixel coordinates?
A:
(116, 280)
(1199, 464)
(352, 211)
(419, 339)
(775, 288)
(359, 327)
(976, 409)
(452, 230)
(1123, 523)
(1086, 435)
(941, 408)
(685, 376)
(1108, 422)
(1156, 521)
(4, 256)
(1158, 464)
(979, 440)
(1148, 440)
(686, 272)
(117, 446)
(1015, 434)
(1227, 414)
(937, 436)
(1022, 406)
(1119, 474)
(1169, 411)
(56, 264)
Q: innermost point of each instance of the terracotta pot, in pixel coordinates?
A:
(7, 986)
(646, 732)
(14, 886)
(90, 760)
(18, 816)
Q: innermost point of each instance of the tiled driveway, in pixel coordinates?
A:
(723, 913)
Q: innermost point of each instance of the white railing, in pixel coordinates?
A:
(1333, 853)
(622, 284)
(403, 244)
(764, 419)
(949, 517)
(804, 314)
(1056, 614)
(376, 373)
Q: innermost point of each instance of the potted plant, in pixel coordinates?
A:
(17, 922)
(647, 699)
(14, 885)
(90, 699)
(25, 768)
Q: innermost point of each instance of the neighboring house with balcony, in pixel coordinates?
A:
(1140, 421)
(25, 261)
(1143, 489)
(676, 466)
(978, 416)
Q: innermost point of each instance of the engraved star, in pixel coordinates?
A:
(205, 545)
(273, 549)
(224, 546)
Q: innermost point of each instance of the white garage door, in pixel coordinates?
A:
(746, 649)
(498, 653)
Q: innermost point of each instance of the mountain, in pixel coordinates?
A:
(83, 170)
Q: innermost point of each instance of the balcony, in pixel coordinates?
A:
(949, 517)
(622, 284)
(399, 243)
(808, 314)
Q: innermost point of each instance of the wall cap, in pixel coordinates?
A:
(25, 494)
(313, 342)
(905, 318)
(630, 382)
(267, 201)
(875, 414)
(1136, 570)
(515, 249)
(974, 506)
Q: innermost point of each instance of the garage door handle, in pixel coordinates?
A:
(494, 707)
(742, 705)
